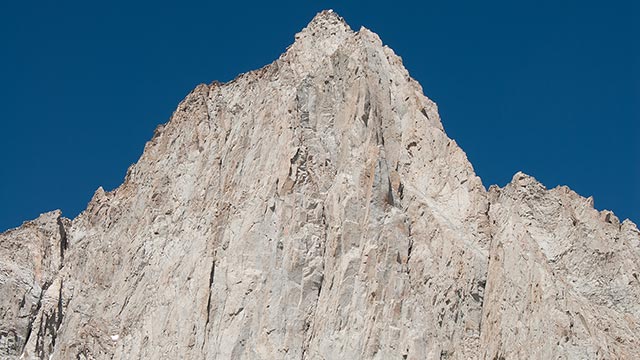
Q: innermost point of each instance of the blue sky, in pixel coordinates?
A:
(551, 88)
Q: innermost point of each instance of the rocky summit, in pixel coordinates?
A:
(316, 209)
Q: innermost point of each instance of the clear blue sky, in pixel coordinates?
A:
(551, 88)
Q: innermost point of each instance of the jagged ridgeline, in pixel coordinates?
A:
(316, 209)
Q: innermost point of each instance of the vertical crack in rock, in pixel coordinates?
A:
(482, 284)
(211, 279)
(30, 326)
(366, 113)
(51, 317)
(409, 249)
(60, 312)
(210, 291)
(389, 197)
(34, 314)
(63, 239)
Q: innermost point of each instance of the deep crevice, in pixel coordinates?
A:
(367, 109)
(211, 277)
(389, 197)
(212, 274)
(34, 315)
(63, 239)
(60, 304)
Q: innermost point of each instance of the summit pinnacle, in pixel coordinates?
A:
(316, 209)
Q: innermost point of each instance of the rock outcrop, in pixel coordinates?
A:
(31, 257)
(316, 209)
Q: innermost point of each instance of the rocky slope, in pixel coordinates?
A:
(316, 209)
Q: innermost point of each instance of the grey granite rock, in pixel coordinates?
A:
(31, 257)
(316, 209)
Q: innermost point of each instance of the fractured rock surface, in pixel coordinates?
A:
(316, 209)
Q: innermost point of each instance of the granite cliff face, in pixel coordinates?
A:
(316, 209)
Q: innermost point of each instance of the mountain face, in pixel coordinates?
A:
(316, 209)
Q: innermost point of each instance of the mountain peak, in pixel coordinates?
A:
(327, 23)
(319, 39)
(312, 208)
